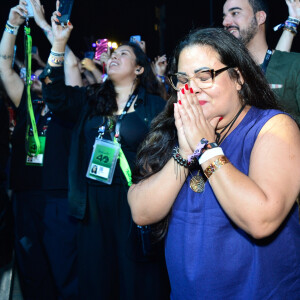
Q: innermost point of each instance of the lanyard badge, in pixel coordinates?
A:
(106, 153)
(104, 159)
(33, 159)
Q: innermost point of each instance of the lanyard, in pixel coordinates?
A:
(125, 110)
(28, 82)
(266, 60)
(48, 116)
(124, 165)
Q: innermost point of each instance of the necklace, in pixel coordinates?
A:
(219, 140)
(197, 182)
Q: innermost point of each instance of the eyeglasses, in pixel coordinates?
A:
(204, 78)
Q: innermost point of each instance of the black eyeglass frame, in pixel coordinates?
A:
(213, 73)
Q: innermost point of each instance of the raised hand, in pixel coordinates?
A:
(105, 57)
(61, 33)
(160, 65)
(38, 13)
(18, 14)
(194, 123)
(294, 8)
(88, 64)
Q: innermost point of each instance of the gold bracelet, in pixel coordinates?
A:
(217, 164)
(294, 32)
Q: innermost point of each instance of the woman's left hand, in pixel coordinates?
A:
(195, 124)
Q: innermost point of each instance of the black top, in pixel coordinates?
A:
(133, 131)
(73, 103)
(53, 174)
(4, 141)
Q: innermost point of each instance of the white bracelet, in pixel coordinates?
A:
(208, 154)
(11, 28)
(292, 19)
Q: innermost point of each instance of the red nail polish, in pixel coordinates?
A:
(186, 87)
(221, 118)
(179, 101)
(182, 91)
(69, 23)
(191, 90)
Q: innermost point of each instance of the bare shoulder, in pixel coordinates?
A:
(281, 125)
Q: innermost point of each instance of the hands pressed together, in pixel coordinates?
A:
(191, 123)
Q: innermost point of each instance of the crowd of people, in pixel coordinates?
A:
(126, 178)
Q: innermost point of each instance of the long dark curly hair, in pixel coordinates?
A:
(156, 150)
(103, 96)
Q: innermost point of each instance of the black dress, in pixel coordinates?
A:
(106, 247)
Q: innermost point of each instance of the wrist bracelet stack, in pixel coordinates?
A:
(290, 25)
(57, 58)
(207, 151)
(11, 28)
(180, 160)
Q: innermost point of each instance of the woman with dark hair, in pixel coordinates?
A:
(112, 119)
(220, 168)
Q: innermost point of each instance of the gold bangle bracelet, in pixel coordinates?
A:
(217, 164)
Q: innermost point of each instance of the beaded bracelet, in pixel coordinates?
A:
(56, 61)
(180, 160)
(217, 164)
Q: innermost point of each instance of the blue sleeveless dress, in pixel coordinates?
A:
(209, 257)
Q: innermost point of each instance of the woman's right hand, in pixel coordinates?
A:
(294, 8)
(61, 33)
(18, 14)
(38, 13)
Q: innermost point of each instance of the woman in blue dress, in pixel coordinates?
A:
(221, 169)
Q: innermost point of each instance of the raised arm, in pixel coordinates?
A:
(89, 65)
(286, 40)
(12, 82)
(72, 73)
(65, 101)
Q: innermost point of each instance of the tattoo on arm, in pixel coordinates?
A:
(6, 56)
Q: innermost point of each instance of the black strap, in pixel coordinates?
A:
(125, 110)
(267, 59)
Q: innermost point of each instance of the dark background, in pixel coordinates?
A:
(161, 23)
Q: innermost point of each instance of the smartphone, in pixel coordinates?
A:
(65, 8)
(34, 49)
(101, 46)
(29, 8)
(135, 38)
